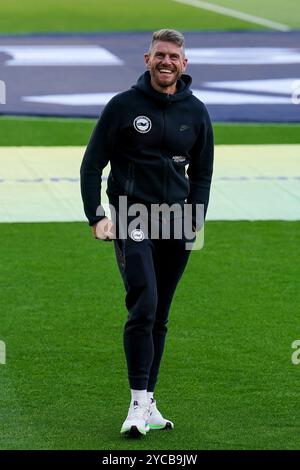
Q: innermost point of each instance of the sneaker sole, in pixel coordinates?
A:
(167, 427)
(134, 432)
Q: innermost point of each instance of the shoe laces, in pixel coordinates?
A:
(138, 411)
(152, 405)
(153, 410)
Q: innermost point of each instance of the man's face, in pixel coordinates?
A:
(166, 64)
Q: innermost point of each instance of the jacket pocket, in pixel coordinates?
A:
(130, 180)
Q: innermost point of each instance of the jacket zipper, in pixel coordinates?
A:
(165, 162)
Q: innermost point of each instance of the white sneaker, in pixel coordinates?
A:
(136, 422)
(156, 420)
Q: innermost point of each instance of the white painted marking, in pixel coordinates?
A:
(79, 99)
(243, 55)
(207, 96)
(256, 182)
(235, 14)
(275, 86)
(2, 92)
(59, 55)
(226, 98)
(2, 352)
(251, 182)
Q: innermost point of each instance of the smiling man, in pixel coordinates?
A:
(158, 139)
(166, 62)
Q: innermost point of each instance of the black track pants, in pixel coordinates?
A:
(151, 270)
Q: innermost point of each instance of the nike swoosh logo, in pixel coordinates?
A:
(184, 127)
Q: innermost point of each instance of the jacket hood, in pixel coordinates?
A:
(143, 84)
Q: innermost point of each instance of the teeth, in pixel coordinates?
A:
(165, 71)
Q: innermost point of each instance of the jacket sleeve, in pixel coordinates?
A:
(97, 155)
(201, 168)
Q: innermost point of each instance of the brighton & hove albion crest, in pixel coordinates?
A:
(137, 235)
(142, 124)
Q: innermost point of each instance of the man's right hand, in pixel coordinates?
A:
(104, 230)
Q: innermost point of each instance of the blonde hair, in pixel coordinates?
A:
(170, 35)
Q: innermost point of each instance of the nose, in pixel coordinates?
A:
(167, 60)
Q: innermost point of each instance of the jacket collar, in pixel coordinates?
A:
(183, 88)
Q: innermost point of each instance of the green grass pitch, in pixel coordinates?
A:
(23, 16)
(60, 131)
(226, 380)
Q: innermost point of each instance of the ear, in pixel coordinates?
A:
(185, 62)
(147, 60)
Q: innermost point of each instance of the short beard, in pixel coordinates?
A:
(167, 85)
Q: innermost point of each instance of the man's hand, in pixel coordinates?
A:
(104, 230)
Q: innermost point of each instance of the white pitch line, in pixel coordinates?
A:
(235, 14)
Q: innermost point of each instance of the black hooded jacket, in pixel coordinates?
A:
(160, 148)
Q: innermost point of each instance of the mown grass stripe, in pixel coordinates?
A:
(46, 131)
